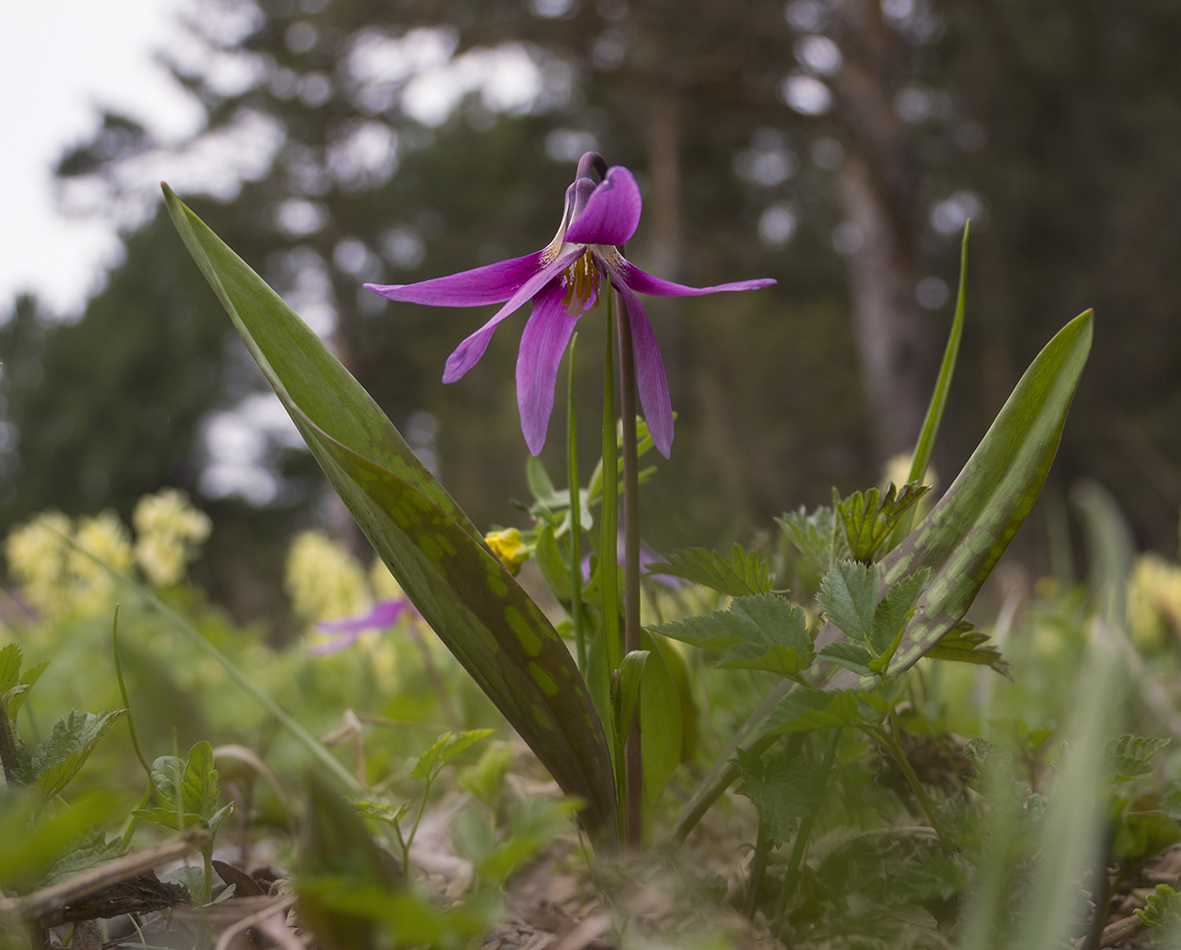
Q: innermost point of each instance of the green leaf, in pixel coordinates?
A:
(444, 749)
(625, 689)
(759, 632)
(541, 487)
(390, 814)
(1129, 758)
(851, 655)
(661, 724)
(57, 758)
(743, 573)
(1162, 912)
(10, 667)
(869, 517)
(891, 615)
(849, 596)
(806, 708)
(815, 536)
(963, 643)
(87, 852)
(553, 567)
(499, 635)
(965, 534)
(778, 790)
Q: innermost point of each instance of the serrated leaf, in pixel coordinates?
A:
(896, 608)
(964, 535)
(849, 596)
(963, 643)
(57, 758)
(806, 708)
(200, 782)
(851, 655)
(87, 852)
(1162, 912)
(815, 536)
(10, 667)
(780, 793)
(27, 679)
(761, 632)
(444, 749)
(1130, 757)
(741, 574)
(931, 875)
(868, 518)
(498, 634)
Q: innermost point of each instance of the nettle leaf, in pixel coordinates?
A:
(1162, 912)
(444, 749)
(778, 790)
(933, 874)
(851, 655)
(964, 643)
(14, 684)
(87, 852)
(759, 632)
(1130, 757)
(28, 678)
(815, 536)
(189, 790)
(10, 667)
(493, 628)
(848, 596)
(868, 518)
(57, 758)
(892, 614)
(807, 708)
(964, 535)
(742, 573)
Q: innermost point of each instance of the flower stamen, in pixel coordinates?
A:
(582, 284)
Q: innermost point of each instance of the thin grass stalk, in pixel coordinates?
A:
(609, 518)
(633, 759)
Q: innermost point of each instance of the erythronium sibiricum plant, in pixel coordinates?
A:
(564, 281)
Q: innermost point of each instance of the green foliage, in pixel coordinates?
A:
(964, 643)
(757, 632)
(778, 790)
(741, 574)
(849, 598)
(54, 762)
(87, 852)
(625, 690)
(189, 790)
(1162, 912)
(442, 751)
(1129, 758)
(869, 518)
(815, 536)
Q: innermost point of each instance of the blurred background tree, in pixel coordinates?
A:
(836, 145)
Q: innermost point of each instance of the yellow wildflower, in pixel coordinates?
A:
(1154, 601)
(106, 538)
(324, 580)
(37, 554)
(168, 530)
(509, 547)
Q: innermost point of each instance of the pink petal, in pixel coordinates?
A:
(493, 283)
(542, 345)
(385, 613)
(468, 353)
(644, 283)
(612, 213)
(650, 379)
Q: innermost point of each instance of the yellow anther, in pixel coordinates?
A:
(582, 283)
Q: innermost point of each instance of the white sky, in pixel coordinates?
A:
(61, 62)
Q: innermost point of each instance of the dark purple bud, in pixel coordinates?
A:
(592, 161)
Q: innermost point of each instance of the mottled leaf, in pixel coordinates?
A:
(499, 635)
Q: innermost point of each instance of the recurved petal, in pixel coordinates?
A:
(611, 213)
(650, 379)
(493, 283)
(468, 353)
(542, 345)
(644, 283)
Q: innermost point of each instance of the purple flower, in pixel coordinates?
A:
(563, 281)
(385, 614)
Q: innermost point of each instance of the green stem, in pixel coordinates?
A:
(883, 737)
(633, 758)
(609, 513)
(575, 517)
(758, 867)
(127, 702)
(801, 843)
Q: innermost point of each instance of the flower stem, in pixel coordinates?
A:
(575, 517)
(633, 761)
(609, 514)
